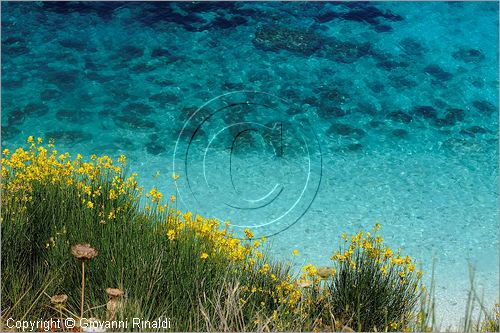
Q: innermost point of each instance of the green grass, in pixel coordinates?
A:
(161, 278)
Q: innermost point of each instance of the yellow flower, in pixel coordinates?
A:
(39, 140)
(112, 194)
(295, 252)
(172, 198)
(122, 159)
(310, 269)
(30, 139)
(175, 176)
(394, 325)
(155, 195)
(6, 151)
(204, 256)
(90, 205)
(388, 253)
(248, 233)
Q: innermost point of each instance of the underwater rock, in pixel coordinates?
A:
(311, 100)
(65, 79)
(346, 130)
(473, 130)
(376, 86)
(376, 123)
(12, 84)
(14, 50)
(382, 28)
(36, 109)
(74, 136)
(142, 68)
(370, 15)
(469, 55)
(12, 40)
(74, 116)
(425, 111)
(155, 148)
(412, 47)
(450, 118)
(73, 44)
(484, 106)
(456, 114)
(15, 117)
(402, 82)
(344, 52)
(326, 17)
(275, 38)
(133, 122)
(103, 9)
(137, 109)
(160, 81)
(50, 94)
(91, 65)
(164, 98)
(231, 86)
(9, 132)
(334, 95)
(96, 76)
(328, 111)
(160, 52)
(224, 23)
(290, 94)
(389, 65)
(477, 82)
(400, 133)
(130, 52)
(400, 117)
(438, 73)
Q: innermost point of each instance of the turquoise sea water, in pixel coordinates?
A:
(300, 120)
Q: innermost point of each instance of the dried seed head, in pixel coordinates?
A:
(114, 292)
(83, 251)
(59, 299)
(304, 284)
(325, 272)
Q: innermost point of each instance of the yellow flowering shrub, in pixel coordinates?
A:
(374, 286)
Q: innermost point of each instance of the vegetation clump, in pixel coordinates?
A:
(162, 262)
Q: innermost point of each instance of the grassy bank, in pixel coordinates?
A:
(178, 265)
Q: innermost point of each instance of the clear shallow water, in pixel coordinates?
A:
(367, 113)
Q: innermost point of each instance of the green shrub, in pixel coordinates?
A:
(373, 288)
